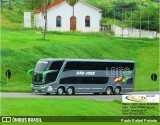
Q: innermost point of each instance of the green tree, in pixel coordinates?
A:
(149, 17)
(72, 3)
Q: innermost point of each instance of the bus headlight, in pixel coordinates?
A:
(43, 87)
(49, 89)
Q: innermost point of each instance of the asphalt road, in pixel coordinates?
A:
(83, 96)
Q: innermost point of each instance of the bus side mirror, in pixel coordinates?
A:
(29, 71)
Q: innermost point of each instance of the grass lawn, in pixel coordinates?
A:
(63, 107)
(20, 51)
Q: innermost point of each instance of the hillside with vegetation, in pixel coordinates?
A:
(21, 50)
(131, 11)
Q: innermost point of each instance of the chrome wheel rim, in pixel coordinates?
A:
(70, 91)
(60, 91)
(108, 91)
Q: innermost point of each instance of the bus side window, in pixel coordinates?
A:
(85, 66)
(73, 66)
(69, 66)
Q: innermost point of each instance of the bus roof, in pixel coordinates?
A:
(86, 60)
(53, 59)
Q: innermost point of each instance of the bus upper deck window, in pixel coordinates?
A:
(56, 65)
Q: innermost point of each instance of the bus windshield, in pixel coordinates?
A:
(41, 66)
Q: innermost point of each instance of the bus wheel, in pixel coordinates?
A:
(108, 91)
(117, 90)
(48, 93)
(70, 91)
(60, 91)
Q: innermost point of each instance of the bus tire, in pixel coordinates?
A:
(70, 91)
(108, 91)
(60, 91)
(117, 90)
(48, 93)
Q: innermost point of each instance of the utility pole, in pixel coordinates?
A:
(148, 21)
(10, 5)
(45, 28)
(2, 1)
(140, 24)
(125, 15)
(1, 4)
(157, 27)
(122, 21)
(114, 16)
(73, 20)
(131, 18)
(105, 23)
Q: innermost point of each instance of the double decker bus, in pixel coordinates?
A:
(70, 76)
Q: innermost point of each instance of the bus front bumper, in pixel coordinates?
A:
(43, 89)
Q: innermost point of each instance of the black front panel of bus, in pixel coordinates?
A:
(37, 78)
(51, 77)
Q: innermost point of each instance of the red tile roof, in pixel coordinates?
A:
(50, 6)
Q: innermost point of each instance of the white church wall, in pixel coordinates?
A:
(81, 10)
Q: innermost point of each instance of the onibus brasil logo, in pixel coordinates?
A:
(136, 98)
